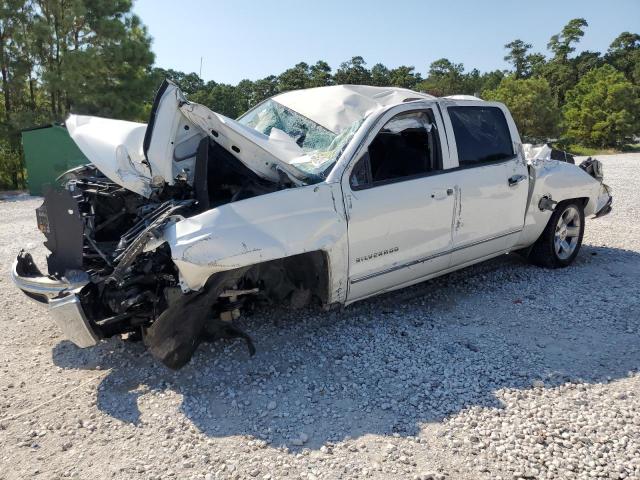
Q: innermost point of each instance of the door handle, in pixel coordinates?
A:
(516, 179)
(441, 194)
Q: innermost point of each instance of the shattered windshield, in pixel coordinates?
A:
(319, 147)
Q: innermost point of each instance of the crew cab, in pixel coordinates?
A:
(330, 194)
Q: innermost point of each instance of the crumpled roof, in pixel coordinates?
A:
(337, 107)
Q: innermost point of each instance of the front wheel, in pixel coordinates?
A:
(561, 239)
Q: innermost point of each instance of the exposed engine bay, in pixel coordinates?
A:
(99, 235)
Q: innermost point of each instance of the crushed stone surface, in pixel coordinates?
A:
(499, 371)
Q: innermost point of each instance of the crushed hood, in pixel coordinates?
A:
(137, 155)
(115, 147)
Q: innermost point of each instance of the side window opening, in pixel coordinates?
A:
(481, 134)
(361, 173)
(406, 147)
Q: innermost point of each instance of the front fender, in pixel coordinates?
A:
(263, 228)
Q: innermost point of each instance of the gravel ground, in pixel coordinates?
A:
(502, 370)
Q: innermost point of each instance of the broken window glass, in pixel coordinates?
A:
(306, 133)
(320, 147)
(320, 161)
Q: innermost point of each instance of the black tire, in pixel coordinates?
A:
(549, 250)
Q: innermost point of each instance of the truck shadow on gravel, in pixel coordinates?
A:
(392, 363)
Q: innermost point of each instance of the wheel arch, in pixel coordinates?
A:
(277, 279)
(537, 220)
(305, 272)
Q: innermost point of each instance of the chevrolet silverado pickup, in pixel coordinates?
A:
(327, 195)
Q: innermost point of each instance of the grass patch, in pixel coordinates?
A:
(632, 147)
(590, 152)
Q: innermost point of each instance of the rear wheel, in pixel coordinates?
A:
(561, 239)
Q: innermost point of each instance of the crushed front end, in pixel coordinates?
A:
(100, 280)
(111, 269)
(111, 273)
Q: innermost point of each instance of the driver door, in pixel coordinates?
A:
(399, 205)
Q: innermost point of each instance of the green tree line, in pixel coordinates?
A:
(94, 57)
(57, 56)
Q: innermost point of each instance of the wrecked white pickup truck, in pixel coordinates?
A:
(331, 194)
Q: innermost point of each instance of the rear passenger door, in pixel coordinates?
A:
(491, 180)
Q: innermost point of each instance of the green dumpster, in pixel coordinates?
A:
(48, 152)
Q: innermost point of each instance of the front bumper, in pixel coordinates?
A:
(60, 296)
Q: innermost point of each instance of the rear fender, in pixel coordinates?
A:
(558, 181)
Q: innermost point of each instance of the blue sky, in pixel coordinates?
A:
(252, 39)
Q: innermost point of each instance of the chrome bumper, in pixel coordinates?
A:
(60, 296)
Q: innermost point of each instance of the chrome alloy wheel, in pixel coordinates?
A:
(567, 233)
